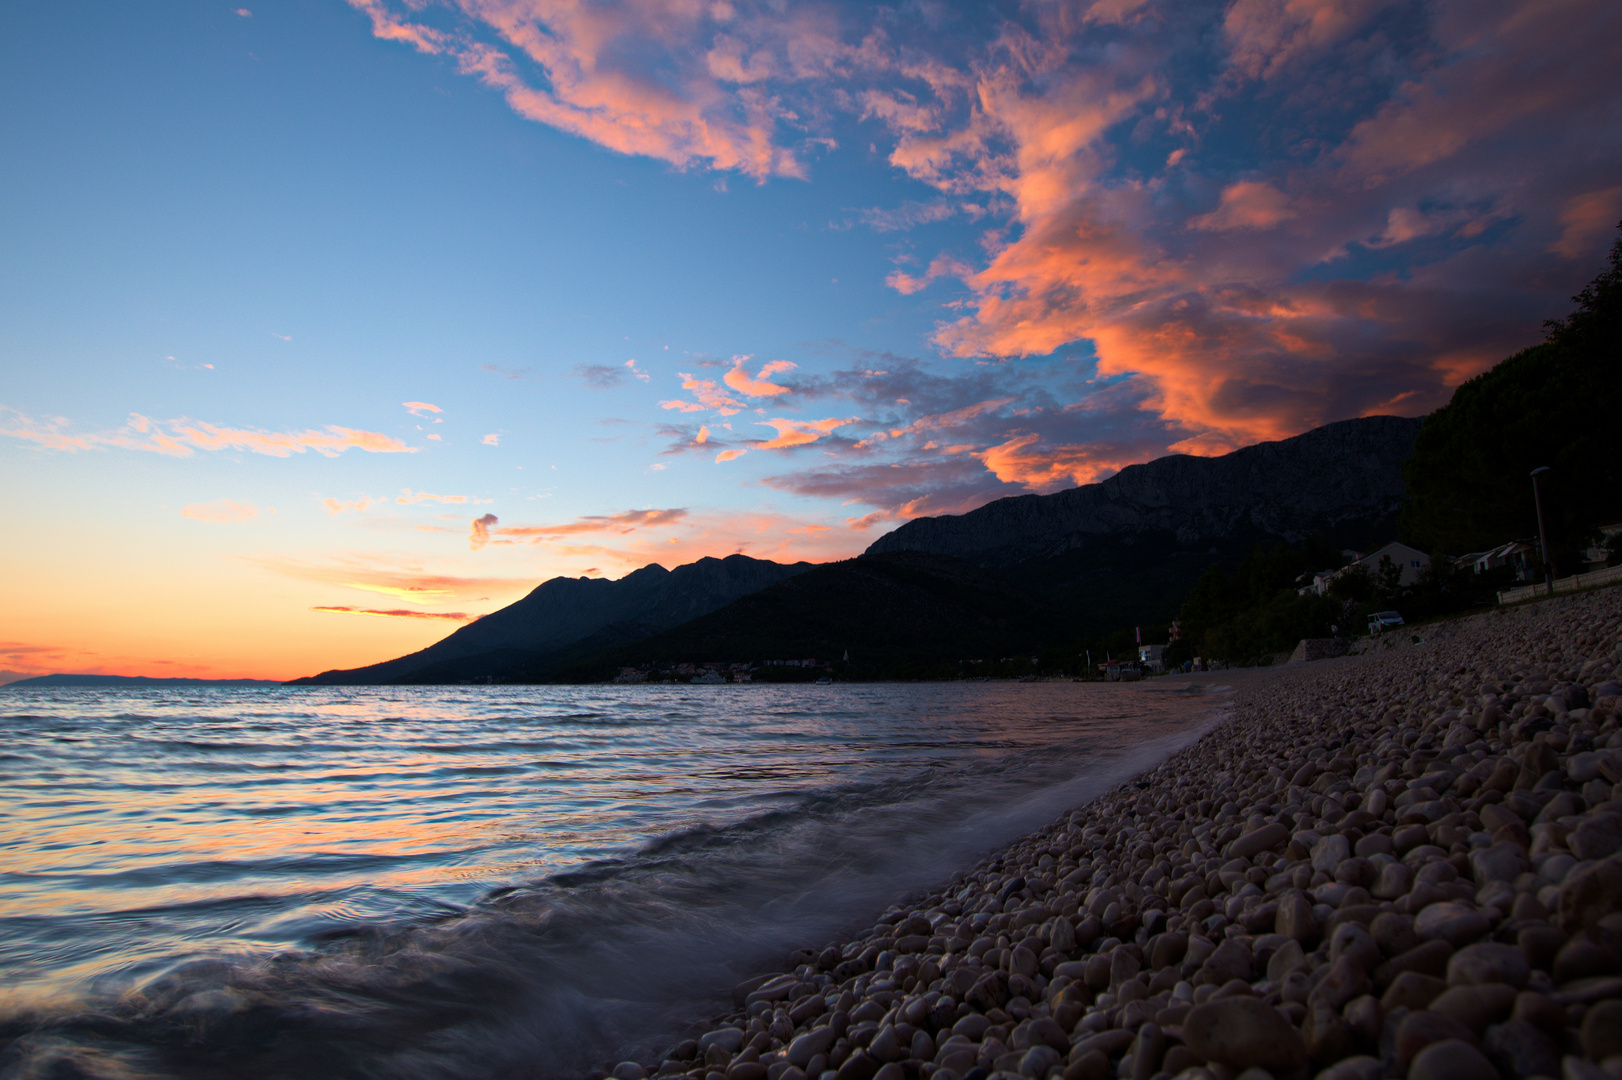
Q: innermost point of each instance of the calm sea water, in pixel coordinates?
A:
(488, 882)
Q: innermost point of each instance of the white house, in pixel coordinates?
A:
(1412, 560)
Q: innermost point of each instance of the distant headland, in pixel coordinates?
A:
(63, 680)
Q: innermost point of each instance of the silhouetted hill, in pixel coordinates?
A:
(1127, 550)
(564, 612)
(899, 615)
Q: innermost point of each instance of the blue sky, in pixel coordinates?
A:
(315, 310)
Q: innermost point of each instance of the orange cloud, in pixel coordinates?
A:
(1021, 460)
(710, 396)
(221, 511)
(703, 435)
(183, 437)
(395, 613)
(729, 455)
(798, 432)
(761, 385)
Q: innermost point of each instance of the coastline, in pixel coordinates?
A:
(1400, 863)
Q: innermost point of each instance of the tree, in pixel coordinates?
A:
(1553, 404)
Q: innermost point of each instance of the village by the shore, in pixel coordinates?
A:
(1403, 863)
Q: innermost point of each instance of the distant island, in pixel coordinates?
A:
(61, 680)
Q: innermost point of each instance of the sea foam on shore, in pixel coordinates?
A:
(1398, 864)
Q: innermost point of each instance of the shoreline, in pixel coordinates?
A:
(1400, 863)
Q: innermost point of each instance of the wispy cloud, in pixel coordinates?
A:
(485, 530)
(184, 437)
(408, 497)
(357, 506)
(393, 577)
(421, 408)
(395, 613)
(221, 511)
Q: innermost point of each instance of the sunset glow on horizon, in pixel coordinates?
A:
(394, 309)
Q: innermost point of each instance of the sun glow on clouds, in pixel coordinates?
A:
(1139, 190)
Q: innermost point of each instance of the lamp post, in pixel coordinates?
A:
(1543, 536)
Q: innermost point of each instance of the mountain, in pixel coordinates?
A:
(905, 614)
(61, 680)
(574, 613)
(1126, 550)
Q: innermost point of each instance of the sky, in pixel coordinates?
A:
(326, 326)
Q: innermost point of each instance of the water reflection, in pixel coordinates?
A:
(652, 842)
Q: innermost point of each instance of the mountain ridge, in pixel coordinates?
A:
(562, 611)
(1173, 494)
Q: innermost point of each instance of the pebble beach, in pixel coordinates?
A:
(1403, 863)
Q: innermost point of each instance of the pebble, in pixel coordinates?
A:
(1415, 850)
(1244, 1031)
(1602, 1031)
(1488, 962)
(1451, 1059)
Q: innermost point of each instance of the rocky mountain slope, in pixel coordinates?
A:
(563, 612)
(906, 614)
(1127, 549)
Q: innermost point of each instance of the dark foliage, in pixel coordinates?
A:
(1555, 404)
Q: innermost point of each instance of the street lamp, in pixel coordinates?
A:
(1543, 536)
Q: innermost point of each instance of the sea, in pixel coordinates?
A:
(450, 883)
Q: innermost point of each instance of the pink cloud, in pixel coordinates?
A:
(729, 455)
(698, 103)
(421, 408)
(1266, 37)
(621, 524)
(1586, 220)
(1248, 204)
